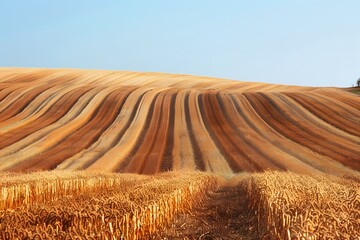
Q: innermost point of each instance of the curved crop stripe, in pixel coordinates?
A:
(120, 121)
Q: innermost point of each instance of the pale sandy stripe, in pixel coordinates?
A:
(51, 135)
(36, 109)
(353, 141)
(352, 109)
(183, 157)
(214, 161)
(320, 162)
(10, 99)
(109, 136)
(263, 144)
(117, 154)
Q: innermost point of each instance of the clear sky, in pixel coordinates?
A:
(299, 42)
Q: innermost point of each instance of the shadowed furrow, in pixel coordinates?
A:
(295, 157)
(350, 99)
(286, 121)
(148, 156)
(224, 136)
(330, 112)
(197, 153)
(136, 151)
(53, 114)
(80, 139)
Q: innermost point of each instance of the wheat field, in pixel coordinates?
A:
(93, 154)
(67, 205)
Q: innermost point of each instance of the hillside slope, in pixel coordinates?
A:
(151, 122)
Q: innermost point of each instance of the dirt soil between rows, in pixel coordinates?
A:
(223, 214)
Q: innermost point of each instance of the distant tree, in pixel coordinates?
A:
(358, 82)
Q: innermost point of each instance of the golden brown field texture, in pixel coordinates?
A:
(92, 205)
(152, 122)
(217, 158)
(83, 205)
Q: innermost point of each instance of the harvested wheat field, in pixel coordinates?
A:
(94, 154)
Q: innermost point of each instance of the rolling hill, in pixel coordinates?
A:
(146, 123)
(271, 161)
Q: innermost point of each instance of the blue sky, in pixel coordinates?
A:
(298, 42)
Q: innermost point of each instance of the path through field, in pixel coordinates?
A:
(224, 214)
(178, 205)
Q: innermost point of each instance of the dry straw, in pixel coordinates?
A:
(105, 206)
